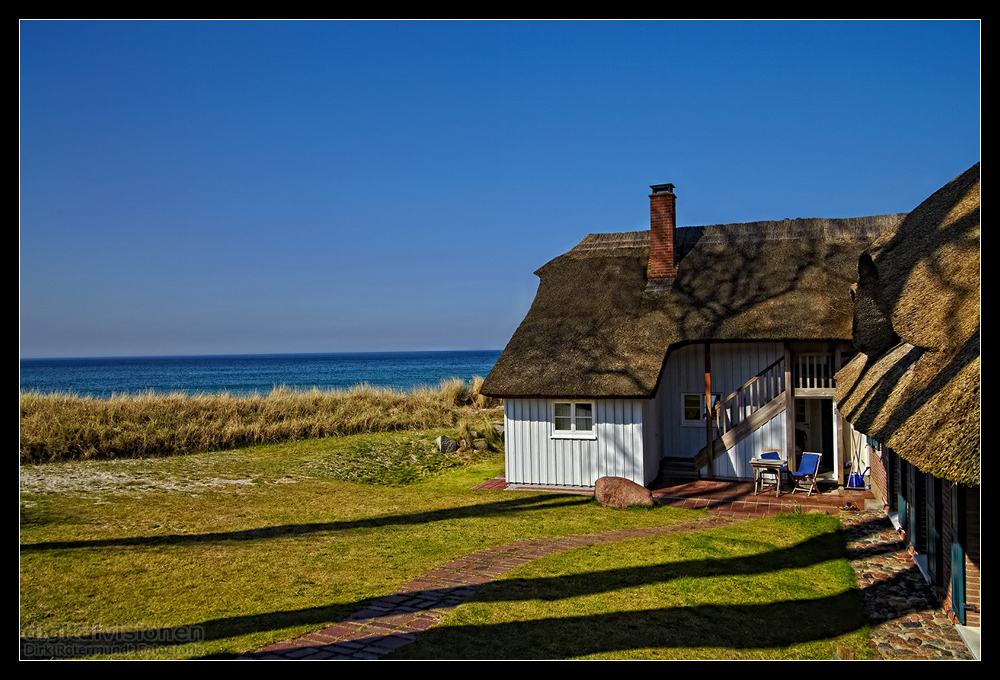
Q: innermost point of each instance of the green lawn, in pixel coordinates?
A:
(215, 554)
(767, 589)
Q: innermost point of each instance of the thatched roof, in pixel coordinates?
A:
(915, 387)
(596, 329)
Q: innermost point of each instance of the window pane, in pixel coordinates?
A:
(692, 407)
(564, 417)
(584, 417)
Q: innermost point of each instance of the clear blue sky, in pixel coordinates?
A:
(205, 187)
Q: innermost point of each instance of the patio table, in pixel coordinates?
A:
(763, 465)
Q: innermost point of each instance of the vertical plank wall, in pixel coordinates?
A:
(732, 365)
(533, 456)
(634, 434)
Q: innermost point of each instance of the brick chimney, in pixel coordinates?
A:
(662, 221)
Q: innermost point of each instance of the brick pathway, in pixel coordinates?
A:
(393, 621)
(906, 623)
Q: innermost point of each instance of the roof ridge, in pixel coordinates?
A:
(829, 228)
(625, 239)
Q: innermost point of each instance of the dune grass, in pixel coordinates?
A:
(213, 554)
(58, 427)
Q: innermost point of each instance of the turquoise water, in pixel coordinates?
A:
(247, 374)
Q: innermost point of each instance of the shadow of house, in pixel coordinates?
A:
(914, 388)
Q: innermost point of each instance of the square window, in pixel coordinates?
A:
(693, 408)
(573, 419)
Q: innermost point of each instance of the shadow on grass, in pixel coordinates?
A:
(65, 645)
(775, 624)
(760, 626)
(286, 530)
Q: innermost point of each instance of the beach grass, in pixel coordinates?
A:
(56, 427)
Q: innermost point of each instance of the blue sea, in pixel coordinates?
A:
(248, 374)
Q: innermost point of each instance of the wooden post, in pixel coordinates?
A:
(789, 413)
(845, 447)
(708, 408)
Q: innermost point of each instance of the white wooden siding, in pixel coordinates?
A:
(732, 365)
(534, 456)
(633, 435)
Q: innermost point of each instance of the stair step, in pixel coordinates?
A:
(678, 467)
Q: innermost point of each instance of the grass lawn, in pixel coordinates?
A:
(767, 589)
(214, 554)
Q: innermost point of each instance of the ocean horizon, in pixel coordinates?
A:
(244, 374)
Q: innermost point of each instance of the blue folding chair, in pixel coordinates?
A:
(806, 474)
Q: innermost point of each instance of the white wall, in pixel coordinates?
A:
(732, 365)
(633, 435)
(533, 456)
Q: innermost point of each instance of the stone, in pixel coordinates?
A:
(446, 444)
(618, 492)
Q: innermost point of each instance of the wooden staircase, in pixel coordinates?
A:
(677, 468)
(744, 411)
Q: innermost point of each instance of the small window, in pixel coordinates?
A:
(573, 419)
(693, 408)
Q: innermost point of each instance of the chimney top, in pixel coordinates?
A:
(662, 264)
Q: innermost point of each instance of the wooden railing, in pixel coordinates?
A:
(762, 398)
(747, 400)
(813, 372)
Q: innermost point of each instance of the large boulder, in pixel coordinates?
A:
(618, 492)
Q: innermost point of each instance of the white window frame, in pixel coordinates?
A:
(700, 422)
(574, 432)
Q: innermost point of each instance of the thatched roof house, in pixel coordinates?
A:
(633, 338)
(600, 327)
(915, 384)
